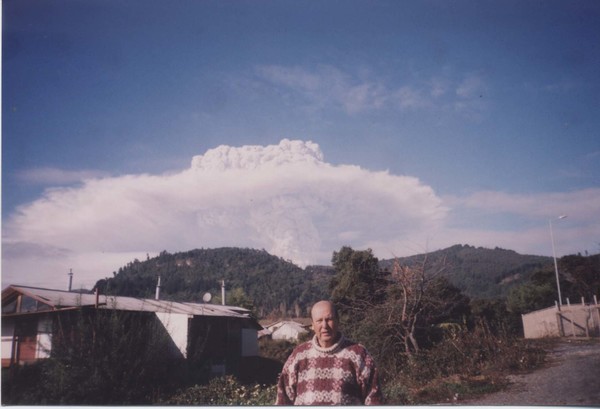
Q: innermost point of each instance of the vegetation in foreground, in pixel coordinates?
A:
(459, 368)
(433, 345)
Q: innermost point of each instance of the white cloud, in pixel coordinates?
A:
(408, 97)
(438, 87)
(327, 86)
(471, 87)
(523, 221)
(472, 98)
(53, 176)
(563, 87)
(284, 198)
(581, 205)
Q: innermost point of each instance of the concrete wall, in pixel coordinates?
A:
(576, 320)
(541, 323)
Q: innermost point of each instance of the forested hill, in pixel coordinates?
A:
(273, 285)
(477, 271)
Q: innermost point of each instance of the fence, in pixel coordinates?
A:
(571, 320)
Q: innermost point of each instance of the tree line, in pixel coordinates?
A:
(428, 337)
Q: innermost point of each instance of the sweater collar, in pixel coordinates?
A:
(330, 349)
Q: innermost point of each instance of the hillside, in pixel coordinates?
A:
(273, 284)
(277, 287)
(477, 271)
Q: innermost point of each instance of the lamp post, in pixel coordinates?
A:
(555, 263)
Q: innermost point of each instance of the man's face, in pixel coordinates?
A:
(324, 324)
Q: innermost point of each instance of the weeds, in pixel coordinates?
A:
(464, 364)
(225, 391)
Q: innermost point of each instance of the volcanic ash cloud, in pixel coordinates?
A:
(284, 198)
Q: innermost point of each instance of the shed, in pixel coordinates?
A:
(30, 315)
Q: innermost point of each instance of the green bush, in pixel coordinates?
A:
(465, 363)
(396, 392)
(278, 350)
(223, 391)
(104, 357)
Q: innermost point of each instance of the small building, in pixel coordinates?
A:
(290, 330)
(222, 335)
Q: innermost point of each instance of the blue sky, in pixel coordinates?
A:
(484, 115)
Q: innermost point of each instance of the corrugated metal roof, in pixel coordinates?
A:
(64, 299)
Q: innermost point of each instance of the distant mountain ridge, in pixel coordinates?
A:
(278, 287)
(479, 272)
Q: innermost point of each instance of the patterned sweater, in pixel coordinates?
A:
(343, 374)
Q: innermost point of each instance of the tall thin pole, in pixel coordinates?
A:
(555, 262)
(70, 280)
(223, 292)
(157, 294)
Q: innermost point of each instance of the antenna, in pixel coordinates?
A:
(70, 279)
(207, 297)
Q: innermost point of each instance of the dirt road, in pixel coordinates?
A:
(571, 377)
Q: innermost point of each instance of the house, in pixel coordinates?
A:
(290, 330)
(224, 336)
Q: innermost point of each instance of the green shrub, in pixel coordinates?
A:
(104, 357)
(278, 350)
(225, 391)
(463, 364)
(396, 392)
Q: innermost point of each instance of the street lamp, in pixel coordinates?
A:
(554, 255)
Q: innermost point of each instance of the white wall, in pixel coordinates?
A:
(44, 338)
(177, 327)
(571, 320)
(8, 329)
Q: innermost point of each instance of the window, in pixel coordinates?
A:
(28, 304)
(10, 307)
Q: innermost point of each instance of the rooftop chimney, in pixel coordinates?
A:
(157, 296)
(223, 292)
(70, 279)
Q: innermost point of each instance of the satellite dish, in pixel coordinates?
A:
(206, 297)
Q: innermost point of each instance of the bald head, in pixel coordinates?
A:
(325, 323)
(324, 304)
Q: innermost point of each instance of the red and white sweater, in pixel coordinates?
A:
(343, 374)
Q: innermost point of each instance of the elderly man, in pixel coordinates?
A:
(329, 369)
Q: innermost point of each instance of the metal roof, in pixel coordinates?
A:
(65, 299)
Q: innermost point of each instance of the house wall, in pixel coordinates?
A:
(289, 332)
(176, 326)
(26, 340)
(221, 343)
(44, 337)
(8, 332)
(249, 342)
